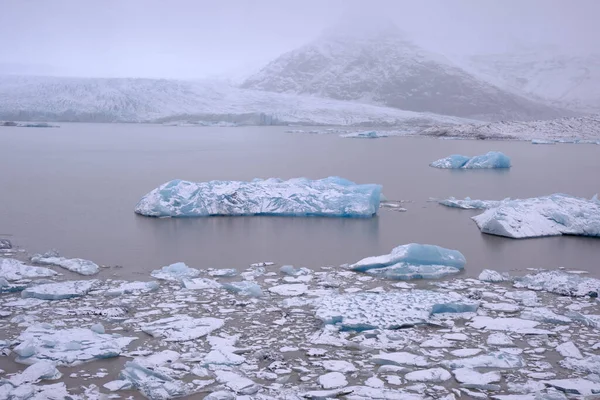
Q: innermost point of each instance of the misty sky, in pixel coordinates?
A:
(199, 38)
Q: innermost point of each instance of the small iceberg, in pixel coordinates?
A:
(490, 160)
(389, 310)
(554, 215)
(562, 283)
(181, 328)
(329, 197)
(59, 290)
(68, 347)
(132, 287)
(365, 135)
(245, 288)
(14, 270)
(494, 359)
(413, 261)
(78, 265)
(175, 272)
(542, 141)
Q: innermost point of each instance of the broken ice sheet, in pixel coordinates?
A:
(494, 359)
(71, 346)
(561, 283)
(132, 287)
(413, 261)
(14, 270)
(389, 310)
(236, 382)
(77, 265)
(175, 272)
(181, 328)
(60, 290)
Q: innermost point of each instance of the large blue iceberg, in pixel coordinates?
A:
(492, 159)
(413, 261)
(554, 215)
(330, 197)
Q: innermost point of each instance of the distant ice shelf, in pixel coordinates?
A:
(490, 160)
(329, 197)
(554, 215)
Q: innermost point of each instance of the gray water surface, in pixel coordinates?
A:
(74, 189)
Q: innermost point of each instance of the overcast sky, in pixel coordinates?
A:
(199, 38)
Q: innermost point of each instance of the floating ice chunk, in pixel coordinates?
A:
(389, 310)
(290, 270)
(545, 315)
(150, 377)
(501, 307)
(332, 197)
(98, 328)
(499, 339)
(488, 275)
(413, 260)
(561, 283)
(553, 215)
(67, 346)
(200, 284)
(175, 272)
(262, 264)
(222, 357)
(327, 394)
(517, 325)
(568, 349)
(526, 298)
(290, 289)
(59, 290)
(332, 380)
(221, 395)
(587, 319)
(365, 135)
(542, 141)
(244, 288)
(470, 376)
(495, 359)
(437, 343)
(223, 272)
(589, 364)
(5, 244)
(468, 204)
(492, 159)
(78, 265)
(181, 328)
(119, 384)
(35, 392)
(428, 375)
(132, 287)
(400, 358)
(41, 370)
(339, 366)
(465, 352)
(7, 287)
(461, 337)
(14, 270)
(237, 383)
(575, 386)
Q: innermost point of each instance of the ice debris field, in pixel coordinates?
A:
(490, 160)
(266, 331)
(554, 215)
(329, 197)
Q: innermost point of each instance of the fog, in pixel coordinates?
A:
(191, 39)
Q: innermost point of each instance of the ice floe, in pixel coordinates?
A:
(413, 261)
(59, 290)
(72, 346)
(78, 265)
(492, 159)
(365, 135)
(488, 275)
(132, 287)
(428, 375)
(245, 288)
(470, 376)
(553, 215)
(181, 328)
(333, 197)
(575, 386)
(14, 270)
(497, 359)
(289, 289)
(175, 272)
(559, 282)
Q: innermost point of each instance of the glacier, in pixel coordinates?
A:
(391, 310)
(69, 347)
(492, 159)
(554, 215)
(413, 261)
(78, 265)
(331, 197)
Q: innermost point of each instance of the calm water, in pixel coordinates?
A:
(74, 189)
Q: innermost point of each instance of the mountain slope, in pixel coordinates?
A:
(28, 98)
(382, 67)
(568, 80)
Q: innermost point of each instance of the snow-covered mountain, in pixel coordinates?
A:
(567, 80)
(575, 129)
(378, 65)
(27, 98)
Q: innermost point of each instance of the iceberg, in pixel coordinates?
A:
(554, 215)
(5, 244)
(562, 283)
(237, 383)
(575, 386)
(7, 287)
(132, 287)
(175, 272)
(41, 370)
(434, 375)
(34, 392)
(78, 265)
(542, 141)
(14, 270)
(329, 197)
(494, 359)
(245, 288)
(492, 159)
(200, 284)
(332, 380)
(389, 310)
(289, 289)
(365, 135)
(68, 347)
(413, 261)
(489, 275)
(181, 328)
(59, 290)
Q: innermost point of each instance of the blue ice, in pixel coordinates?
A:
(492, 159)
(331, 197)
(245, 288)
